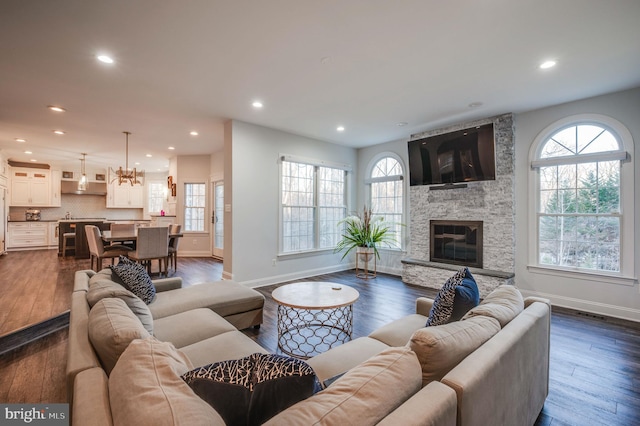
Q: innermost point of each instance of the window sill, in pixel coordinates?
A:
(306, 253)
(612, 278)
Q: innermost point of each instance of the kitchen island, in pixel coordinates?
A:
(81, 249)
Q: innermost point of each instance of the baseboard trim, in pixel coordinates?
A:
(605, 309)
(31, 333)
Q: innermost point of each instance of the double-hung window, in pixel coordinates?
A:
(156, 196)
(582, 213)
(194, 206)
(313, 201)
(386, 181)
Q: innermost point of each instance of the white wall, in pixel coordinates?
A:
(253, 180)
(193, 169)
(593, 295)
(389, 259)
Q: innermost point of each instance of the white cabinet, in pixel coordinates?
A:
(27, 234)
(125, 196)
(162, 220)
(52, 240)
(30, 187)
(56, 179)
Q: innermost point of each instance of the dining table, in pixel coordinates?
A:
(111, 237)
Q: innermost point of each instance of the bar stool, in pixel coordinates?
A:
(65, 240)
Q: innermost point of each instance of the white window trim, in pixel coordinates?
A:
(368, 180)
(146, 199)
(316, 163)
(626, 276)
(206, 205)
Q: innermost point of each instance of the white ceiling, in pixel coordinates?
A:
(365, 64)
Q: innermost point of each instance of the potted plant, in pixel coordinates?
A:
(365, 234)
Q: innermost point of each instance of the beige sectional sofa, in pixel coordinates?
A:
(491, 367)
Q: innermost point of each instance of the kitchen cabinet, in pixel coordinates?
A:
(125, 196)
(162, 220)
(56, 181)
(30, 187)
(53, 234)
(27, 234)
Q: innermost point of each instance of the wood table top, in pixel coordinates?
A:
(315, 295)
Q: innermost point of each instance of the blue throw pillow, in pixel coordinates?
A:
(457, 296)
(251, 390)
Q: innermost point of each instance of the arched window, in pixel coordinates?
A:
(386, 180)
(581, 211)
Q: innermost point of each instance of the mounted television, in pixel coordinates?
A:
(467, 155)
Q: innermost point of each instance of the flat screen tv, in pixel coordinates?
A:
(466, 155)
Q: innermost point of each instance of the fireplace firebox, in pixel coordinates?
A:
(458, 242)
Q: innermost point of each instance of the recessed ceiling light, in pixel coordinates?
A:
(401, 123)
(58, 132)
(172, 148)
(56, 108)
(149, 155)
(137, 163)
(257, 104)
(340, 128)
(33, 160)
(547, 64)
(193, 133)
(475, 104)
(20, 140)
(28, 152)
(105, 59)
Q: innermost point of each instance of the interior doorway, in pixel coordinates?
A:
(217, 220)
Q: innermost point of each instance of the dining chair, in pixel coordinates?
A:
(124, 229)
(173, 245)
(98, 251)
(152, 243)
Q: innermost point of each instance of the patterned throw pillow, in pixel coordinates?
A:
(445, 302)
(251, 390)
(135, 278)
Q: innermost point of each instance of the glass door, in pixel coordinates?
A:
(217, 219)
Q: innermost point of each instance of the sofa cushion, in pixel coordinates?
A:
(440, 348)
(253, 389)
(135, 278)
(450, 300)
(148, 375)
(112, 326)
(504, 304)
(231, 345)
(363, 396)
(105, 274)
(109, 289)
(398, 332)
(190, 327)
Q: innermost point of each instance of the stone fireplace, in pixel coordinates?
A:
(490, 203)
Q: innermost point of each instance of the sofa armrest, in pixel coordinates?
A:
(529, 300)
(164, 284)
(434, 404)
(423, 306)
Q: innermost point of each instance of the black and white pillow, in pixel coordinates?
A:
(443, 303)
(135, 278)
(253, 389)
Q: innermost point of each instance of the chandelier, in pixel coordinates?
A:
(126, 175)
(82, 183)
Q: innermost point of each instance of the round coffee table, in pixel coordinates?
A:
(313, 316)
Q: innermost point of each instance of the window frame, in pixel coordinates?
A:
(369, 181)
(163, 184)
(204, 209)
(626, 275)
(316, 164)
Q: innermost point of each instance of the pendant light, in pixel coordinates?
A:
(82, 183)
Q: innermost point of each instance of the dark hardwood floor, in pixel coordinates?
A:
(595, 362)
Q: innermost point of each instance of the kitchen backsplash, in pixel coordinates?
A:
(80, 206)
